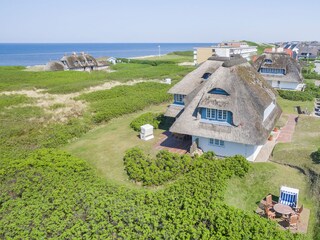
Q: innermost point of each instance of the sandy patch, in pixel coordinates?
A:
(61, 107)
(36, 68)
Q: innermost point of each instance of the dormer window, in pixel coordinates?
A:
(178, 99)
(219, 91)
(214, 114)
(206, 75)
(268, 61)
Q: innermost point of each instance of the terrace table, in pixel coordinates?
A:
(283, 209)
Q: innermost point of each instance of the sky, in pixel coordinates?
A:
(140, 21)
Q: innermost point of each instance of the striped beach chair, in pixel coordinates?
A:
(289, 196)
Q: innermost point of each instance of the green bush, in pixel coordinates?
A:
(316, 156)
(296, 95)
(182, 53)
(53, 195)
(108, 104)
(165, 167)
(147, 118)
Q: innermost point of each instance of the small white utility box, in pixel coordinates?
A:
(146, 132)
(167, 81)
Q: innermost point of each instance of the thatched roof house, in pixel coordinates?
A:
(79, 62)
(231, 112)
(280, 70)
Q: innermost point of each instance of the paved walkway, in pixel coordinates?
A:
(287, 131)
(169, 142)
(267, 149)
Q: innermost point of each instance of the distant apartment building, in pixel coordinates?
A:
(224, 49)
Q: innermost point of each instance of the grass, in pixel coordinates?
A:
(15, 78)
(177, 57)
(105, 146)
(260, 47)
(129, 71)
(288, 106)
(306, 139)
(264, 178)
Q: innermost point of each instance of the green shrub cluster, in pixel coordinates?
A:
(182, 53)
(295, 95)
(165, 167)
(54, 195)
(147, 118)
(311, 91)
(316, 156)
(169, 166)
(121, 100)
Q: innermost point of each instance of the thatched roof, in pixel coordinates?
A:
(280, 61)
(173, 110)
(79, 61)
(54, 66)
(195, 78)
(249, 96)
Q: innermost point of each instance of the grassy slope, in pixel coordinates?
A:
(15, 78)
(289, 106)
(105, 146)
(264, 178)
(306, 139)
(177, 57)
(260, 47)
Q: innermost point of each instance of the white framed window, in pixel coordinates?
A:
(211, 113)
(178, 98)
(222, 115)
(216, 142)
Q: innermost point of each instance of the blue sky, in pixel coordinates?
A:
(158, 21)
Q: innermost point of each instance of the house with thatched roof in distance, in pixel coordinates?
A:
(76, 62)
(225, 106)
(280, 70)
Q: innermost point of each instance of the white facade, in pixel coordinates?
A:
(284, 85)
(250, 152)
(245, 52)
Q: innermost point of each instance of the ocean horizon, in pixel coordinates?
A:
(30, 54)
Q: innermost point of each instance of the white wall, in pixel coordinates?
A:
(285, 85)
(268, 110)
(229, 149)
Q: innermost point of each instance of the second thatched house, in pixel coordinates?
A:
(280, 70)
(226, 107)
(76, 62)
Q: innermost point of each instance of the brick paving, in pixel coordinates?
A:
(169, 142)
(287, 131)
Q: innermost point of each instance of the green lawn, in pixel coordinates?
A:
(264, 178)
(306, 139)
(288, 106)
(105, 146)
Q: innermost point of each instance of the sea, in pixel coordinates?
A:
(30, 54)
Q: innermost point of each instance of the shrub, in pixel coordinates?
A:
(295, 95)
(316, 156)
(108, 104)
(147, 118)
(165, 167)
